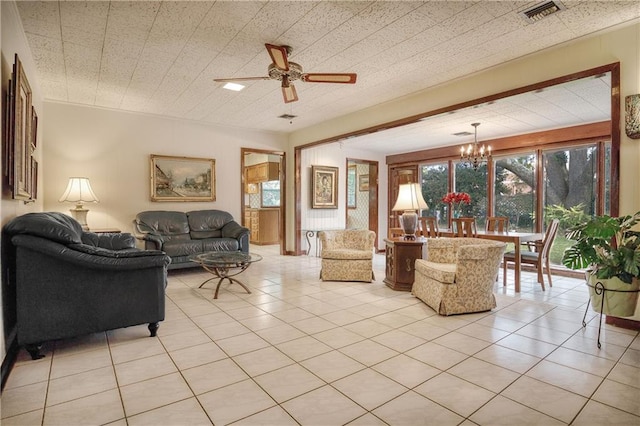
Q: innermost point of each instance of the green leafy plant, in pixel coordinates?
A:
(568, 216)
(607, 245)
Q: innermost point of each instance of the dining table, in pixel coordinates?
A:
(517, 238)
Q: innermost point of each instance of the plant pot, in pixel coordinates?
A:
(620, 298)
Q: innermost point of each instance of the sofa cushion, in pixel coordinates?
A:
(163, 222)
(220, 244)
(125, 253)
(443, 272)
(344, 253)
(207, 223)
(53, 226)
(182, 247)
(109, 241)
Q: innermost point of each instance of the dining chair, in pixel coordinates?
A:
(429, 227)
(538, 258)
(497, 223)
(464, 227)
(395, 232)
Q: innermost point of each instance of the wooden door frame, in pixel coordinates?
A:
(283, 192)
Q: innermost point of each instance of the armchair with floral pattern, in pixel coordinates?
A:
(347, 255)
(458, 275)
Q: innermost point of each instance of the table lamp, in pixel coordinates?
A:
(79, 191)
(409, 200)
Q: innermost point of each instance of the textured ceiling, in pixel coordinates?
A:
(162, 57)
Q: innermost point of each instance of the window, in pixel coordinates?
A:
(270, 193)
(473, 182)
(570, 190)
(434, 180)
(514, 190)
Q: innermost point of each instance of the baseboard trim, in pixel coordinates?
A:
(623, 323)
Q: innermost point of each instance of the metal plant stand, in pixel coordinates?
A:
(601, 290)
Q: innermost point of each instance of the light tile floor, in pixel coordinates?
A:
(302, 351)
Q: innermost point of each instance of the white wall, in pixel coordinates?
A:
(112, 149)
(13, 41)
(335, 155)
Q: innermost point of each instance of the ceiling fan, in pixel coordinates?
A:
(283, 70)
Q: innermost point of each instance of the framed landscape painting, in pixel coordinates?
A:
(324, 187)
(363, 182)
(20, 149)
(182, 178)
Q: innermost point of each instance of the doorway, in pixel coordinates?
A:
(362, 195)
(263, 200)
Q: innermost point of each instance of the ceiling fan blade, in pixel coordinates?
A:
(349, 78)
(278, 56)
(289, 93)
(241, 79)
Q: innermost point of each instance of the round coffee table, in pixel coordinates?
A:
(225, 265)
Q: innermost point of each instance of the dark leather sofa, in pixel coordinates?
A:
(181, 235)
(64, 282)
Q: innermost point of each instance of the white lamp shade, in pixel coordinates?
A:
(410, 198)
(79, 191)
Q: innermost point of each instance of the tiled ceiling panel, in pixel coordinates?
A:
(161, 57)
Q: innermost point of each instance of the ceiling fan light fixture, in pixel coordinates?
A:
(475, 154)
(233, 86)
(282, 70)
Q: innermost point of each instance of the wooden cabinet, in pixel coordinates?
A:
(263, 172)
(249, 188)
(400, 262)
(264, 225)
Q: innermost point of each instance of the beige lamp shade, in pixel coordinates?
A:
(409, 200)
(79, 191)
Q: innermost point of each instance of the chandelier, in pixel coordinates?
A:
(475, 154)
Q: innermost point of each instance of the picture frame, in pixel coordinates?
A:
(176, 178)
(34, 179)
(34, 128)
(7, 142)
(352, 175)
(363, 183)
(324, 187)
(20, 114)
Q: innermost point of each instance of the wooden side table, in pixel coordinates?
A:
(400, 256)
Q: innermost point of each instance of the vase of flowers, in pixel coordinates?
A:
(455, 201)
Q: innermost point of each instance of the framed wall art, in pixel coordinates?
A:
(363, 182)
(352, 175)
(20, 143)
(182, 178)
(324, 187)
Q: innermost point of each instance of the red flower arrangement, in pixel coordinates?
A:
(455, 199)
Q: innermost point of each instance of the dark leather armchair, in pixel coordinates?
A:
(65, 282)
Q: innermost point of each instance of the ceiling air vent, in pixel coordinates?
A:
(463, 134)
(542, 10)
(287, 116)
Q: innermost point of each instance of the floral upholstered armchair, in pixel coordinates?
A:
(458, 275)
(347, 255)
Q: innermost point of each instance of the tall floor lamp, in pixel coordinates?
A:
(409, 200)
(79, 191)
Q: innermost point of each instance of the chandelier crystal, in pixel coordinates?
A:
(475, 154)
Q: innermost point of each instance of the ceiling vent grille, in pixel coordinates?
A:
(287, 116)
(463, 134)
(542, 10)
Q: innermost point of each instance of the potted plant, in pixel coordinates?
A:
(610, 249)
